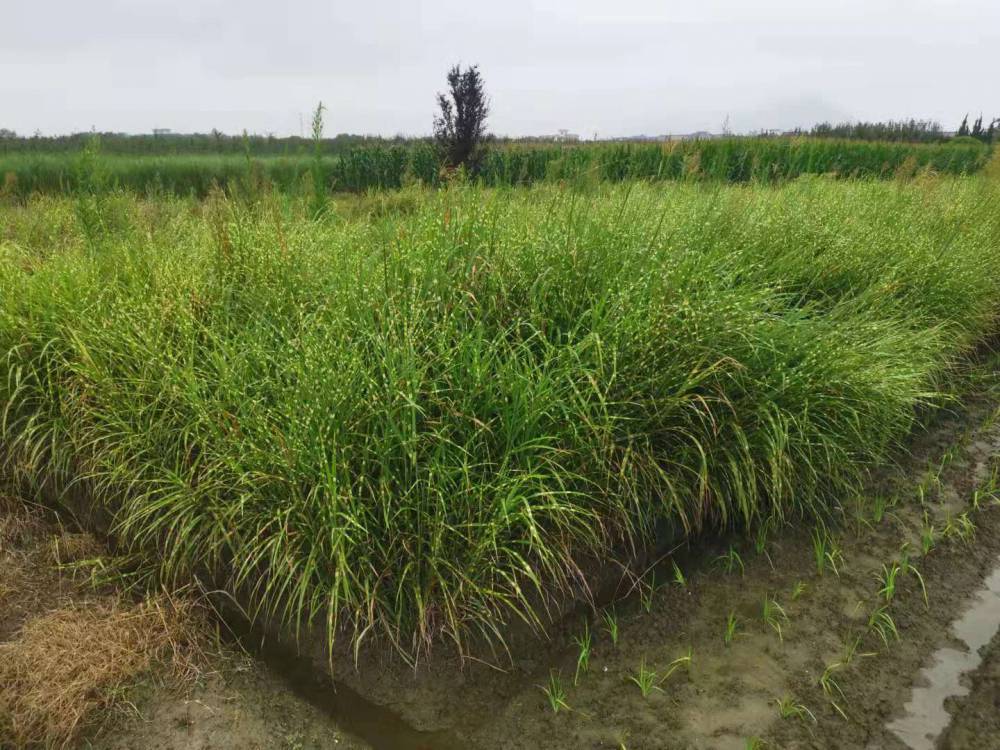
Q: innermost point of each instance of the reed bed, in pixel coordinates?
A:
(417, 426)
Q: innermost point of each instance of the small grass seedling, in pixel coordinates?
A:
(773, 615)
(679, 579)
(732, 626)
(761, 539)
(959, 528)
(860, 512)
(977, 500)
(789, 709)
(851, 646)
(730, 561)
(831, 688)
(988, 491)
(583, 643)
(681, 661)
(826, 552)
(828, 683)
(887, 579)
(928, 535)
(798, 590)
(555, 693)
(908, 568)
(647, 592)
(881, 505)
(610, 618)
(645, 678)
(881, 623)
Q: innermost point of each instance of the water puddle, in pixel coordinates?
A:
(925, 715)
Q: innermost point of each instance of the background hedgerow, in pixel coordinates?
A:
(363, 167)
(420, 424)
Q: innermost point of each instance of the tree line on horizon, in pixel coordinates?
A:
(459, 132)
(909, 131)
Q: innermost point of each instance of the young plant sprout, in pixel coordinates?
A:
(888, 581)
(828, 683)
(959, 528)
(789, 709)
(908, 568)
(881, 623)
(826, 552)
(646, 592)
(555, 693)
(928, 535)
(831, 688)
(730, 561)
(583, 643)
(646, 679)
(681, 661)
(679, 579)
(610, 618)
(732, 624)
(773, 615)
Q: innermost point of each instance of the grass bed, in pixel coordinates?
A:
(419, 425)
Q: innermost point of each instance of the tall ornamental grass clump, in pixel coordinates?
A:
(419, 427)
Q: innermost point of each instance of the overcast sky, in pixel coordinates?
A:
(614, 67)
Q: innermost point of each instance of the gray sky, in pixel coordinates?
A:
(612, 67)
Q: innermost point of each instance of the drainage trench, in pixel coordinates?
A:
(925, 717)
(365, 720)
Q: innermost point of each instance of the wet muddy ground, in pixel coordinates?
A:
(773, 645)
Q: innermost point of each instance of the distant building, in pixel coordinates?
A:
(162, 131)
(698, 135)
(564, 136)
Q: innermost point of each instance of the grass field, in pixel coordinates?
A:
(364, 168)
(409, 417)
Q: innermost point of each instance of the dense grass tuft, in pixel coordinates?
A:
(411, 425)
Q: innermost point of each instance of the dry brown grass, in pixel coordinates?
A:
(18, 523)
(69, 547)
(73, 651)
(68, 667)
